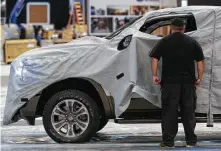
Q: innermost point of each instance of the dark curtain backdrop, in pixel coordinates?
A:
(59, 11)
(205, 2)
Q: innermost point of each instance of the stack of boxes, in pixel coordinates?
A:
(13, 45)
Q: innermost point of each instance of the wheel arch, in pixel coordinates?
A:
(89, 86)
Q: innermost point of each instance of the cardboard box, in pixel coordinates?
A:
(80, 28)
(48, 34)
(48, 31)
(67, 34)
(14, 48)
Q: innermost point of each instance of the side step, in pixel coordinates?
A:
(138, 121)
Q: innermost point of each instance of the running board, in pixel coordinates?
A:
(138, 121)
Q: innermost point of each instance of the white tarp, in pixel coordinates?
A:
(98, 59)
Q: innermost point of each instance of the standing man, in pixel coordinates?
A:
(179, 53)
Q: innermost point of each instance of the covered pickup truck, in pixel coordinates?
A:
(76, 87)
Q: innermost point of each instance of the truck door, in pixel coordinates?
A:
(150, 33)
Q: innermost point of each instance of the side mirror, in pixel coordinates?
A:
(125, 42)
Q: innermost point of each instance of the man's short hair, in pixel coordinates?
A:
(177, 22)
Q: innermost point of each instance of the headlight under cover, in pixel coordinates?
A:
(125, 42)
(28, 70)
(28, 76)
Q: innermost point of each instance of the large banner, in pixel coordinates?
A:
(107, 16)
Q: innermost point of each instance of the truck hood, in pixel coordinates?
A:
(85, 43)
(42, 63)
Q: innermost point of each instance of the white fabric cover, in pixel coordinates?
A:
(98, 59)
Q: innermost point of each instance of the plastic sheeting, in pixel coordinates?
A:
(98, 59)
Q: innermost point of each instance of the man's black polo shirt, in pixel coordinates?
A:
(178, 52)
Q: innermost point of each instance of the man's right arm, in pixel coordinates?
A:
(199, 57)
(200, 69)
(155, 55)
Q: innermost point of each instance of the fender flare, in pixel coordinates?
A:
(28, 112)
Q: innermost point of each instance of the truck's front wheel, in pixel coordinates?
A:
(71, 116)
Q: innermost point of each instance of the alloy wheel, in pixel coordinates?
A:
(70, 118)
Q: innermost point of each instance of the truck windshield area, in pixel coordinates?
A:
(117, 32)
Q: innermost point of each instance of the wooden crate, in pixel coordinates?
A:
(14, 48)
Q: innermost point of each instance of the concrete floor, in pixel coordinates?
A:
(112, 137)
(21, 137)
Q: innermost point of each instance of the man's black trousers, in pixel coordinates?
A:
(175, 96)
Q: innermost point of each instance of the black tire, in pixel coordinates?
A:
(103, 123)
(84, 99)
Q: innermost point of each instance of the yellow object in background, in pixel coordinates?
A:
(14, 48)
(48, 34)
(80, 30)
(67, 34)
(1, 32)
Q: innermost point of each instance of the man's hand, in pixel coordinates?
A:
(198, 82)
(156, 80)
